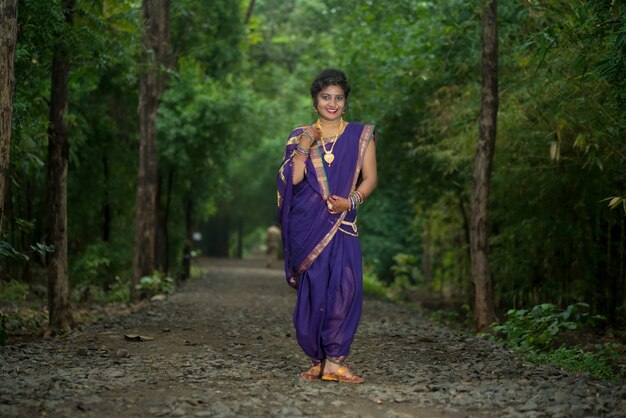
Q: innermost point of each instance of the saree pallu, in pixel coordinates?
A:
(307, 226)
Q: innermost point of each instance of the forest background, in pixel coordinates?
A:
(237, 83)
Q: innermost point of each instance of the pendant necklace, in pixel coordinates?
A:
(329, 157)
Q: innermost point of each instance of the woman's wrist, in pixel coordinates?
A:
(356, 199)
(309, 133)
(301, 153)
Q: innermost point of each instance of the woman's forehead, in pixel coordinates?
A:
(332, 90)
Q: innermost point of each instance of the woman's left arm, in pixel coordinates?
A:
(369, 173)
(369, 181)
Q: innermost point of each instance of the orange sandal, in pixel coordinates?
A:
(314, 373)
(340, 375)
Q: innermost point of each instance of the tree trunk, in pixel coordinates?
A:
(187, 248)
(484, 314)
(60, 315)
(427, 256)
(106, 207)
(8, 39)
(163, 215)
(249, 12)
(166, 218)
(155, 55)
(240, 237)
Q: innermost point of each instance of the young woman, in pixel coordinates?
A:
(328, 170)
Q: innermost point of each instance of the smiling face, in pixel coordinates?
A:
(331, 103)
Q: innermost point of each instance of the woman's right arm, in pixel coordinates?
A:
(309, 135)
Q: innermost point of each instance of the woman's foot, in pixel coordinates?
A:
(314, 373)
(337, 371)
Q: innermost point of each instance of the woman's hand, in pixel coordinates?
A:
(337, 204)
(292, 282)
(309, 135)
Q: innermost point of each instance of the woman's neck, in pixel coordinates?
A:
(325, 124)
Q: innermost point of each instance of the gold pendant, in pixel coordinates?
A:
(329, 158)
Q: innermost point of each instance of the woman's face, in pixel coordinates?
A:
(331, 103)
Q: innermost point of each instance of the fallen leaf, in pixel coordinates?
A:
(132, 337)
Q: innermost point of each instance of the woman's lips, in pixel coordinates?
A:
(331, 110)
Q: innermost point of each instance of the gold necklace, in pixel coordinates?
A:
(328, 126)
(329, 157)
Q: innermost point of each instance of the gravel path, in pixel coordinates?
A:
(224, 346)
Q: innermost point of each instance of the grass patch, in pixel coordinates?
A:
(575, 359)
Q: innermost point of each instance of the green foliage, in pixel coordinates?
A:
(577, 360)
(92, 264)
(405, 268)
(7, 250)
(119, 292)
(461, 320)
(13, 293)
(539, 327)
(372, 286)
(22, 322)
(537, 331)
(155, 284)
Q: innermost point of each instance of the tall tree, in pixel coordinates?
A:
(58, 152)
(479, 238)
(8, 39)
(155, 57)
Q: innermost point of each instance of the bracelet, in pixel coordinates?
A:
(308, 134)
(303, 151)
(356, 199)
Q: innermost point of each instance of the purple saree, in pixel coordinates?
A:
(322, 252)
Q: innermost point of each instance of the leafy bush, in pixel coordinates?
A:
(373, 286)
(119, 291)
(13, 292)
(92, 265)
(536, 331)
(458, 320)
(155, 284)
(405, 267)
(538, 327)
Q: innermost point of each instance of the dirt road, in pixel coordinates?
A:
(224, 346)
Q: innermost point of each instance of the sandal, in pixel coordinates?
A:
(341, 375)
(314, 373)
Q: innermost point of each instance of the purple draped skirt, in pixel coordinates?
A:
(330, 299)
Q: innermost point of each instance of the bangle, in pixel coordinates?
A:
(308, 134)
(356, 198)
(303, 151)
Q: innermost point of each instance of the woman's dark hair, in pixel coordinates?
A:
(329, 77)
